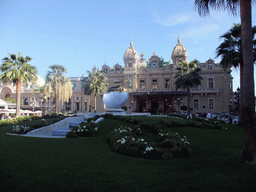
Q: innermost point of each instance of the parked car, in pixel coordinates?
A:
(203, 115)
(235, 120)
(198, 114)
(215, 115)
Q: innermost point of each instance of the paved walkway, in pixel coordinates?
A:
(47, 132)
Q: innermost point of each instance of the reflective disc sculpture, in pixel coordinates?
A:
(114, 98)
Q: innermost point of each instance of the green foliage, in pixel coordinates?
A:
(188, 75)
(127, 141)
(71, 134)
(85, 129)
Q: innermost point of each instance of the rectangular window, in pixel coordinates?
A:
(142, 84)
(154, 84)
(210, 103)
(210, 83)
(85, 106)
(167, 83)
(195, 103)
(210, 66)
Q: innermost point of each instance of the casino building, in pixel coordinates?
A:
(150, 85)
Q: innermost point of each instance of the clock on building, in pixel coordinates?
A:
(154, 64)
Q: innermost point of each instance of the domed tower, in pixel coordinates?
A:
(131, 58)
(179, 53)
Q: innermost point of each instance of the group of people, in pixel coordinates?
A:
(3, 117)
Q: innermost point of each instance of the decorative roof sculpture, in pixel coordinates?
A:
(179, 50)
(131, 53)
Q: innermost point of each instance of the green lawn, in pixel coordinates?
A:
(88, 164)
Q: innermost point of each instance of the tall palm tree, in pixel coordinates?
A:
(248, 108)
(231, 53)
(59, 82)
(188, 76)
(96, 83)
(16, 69)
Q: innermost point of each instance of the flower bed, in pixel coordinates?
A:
(40, 122)
(130, 141)
(83, 130)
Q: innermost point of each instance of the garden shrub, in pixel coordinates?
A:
(54, 115)
(126, 141)
(85, 129)
(71, 134)
(107, 115)
(47, 116)
(35, 117)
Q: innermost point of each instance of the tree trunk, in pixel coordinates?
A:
(248, 108)
(188, 98)
(94, 103)
(241, 95)
(56, 99)
(18, 98)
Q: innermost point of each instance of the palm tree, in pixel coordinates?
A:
(188, 76)
(61, 84)
(248, 108)
(96, 83)
(231, 54)
(16, 69)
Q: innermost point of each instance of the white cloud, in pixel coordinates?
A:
(171, 20)
(195, 32)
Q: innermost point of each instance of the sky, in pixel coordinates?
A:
(79, 34)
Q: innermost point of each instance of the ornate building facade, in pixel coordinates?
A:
(150, 85)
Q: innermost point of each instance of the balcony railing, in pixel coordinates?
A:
(154, 90)
(141, 90)
(167, 89)
(208, 90)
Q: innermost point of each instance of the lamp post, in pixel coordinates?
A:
(178, 101)
(230, 105)
(132, 103)
(33, 104)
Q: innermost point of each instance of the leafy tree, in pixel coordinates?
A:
(187, 76)
(96, 83)
(231, 52)
(61, 84)
(248, 107)
(17, 70)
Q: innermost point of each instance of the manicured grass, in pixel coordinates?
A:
(88, 164)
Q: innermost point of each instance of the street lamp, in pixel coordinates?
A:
(33, 104)
(178, 101)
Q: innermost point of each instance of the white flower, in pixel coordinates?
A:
(125, 136)
(138, 128)
(82, 130)
(162, 134)
(145, 142)
(133, 139)
(78, 130)
(142, 139)
(123, 141)
(149, 148)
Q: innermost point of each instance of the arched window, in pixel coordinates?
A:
(8, 95)
(26, 101)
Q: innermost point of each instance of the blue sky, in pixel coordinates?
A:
(79, 34)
